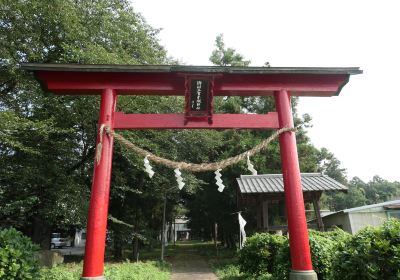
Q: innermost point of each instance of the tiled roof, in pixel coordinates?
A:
(273, 183)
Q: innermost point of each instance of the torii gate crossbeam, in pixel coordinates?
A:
(198, 84)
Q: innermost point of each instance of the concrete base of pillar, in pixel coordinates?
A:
(303, 275)
(94, 278)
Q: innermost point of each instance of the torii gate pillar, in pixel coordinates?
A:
(297, 224)
(93, 266)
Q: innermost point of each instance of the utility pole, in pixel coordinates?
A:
(174, 231)
(240, 236)
(163, 228)
(216, 237)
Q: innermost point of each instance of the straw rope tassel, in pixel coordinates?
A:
(219, 182)
(147, 167)
(179, 179)
(250, 166)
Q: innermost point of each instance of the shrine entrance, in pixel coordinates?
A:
(199, 84)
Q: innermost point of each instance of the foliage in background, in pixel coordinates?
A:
(18, 259)
(360, 193)
(47, 142)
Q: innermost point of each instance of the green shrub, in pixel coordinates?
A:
(323, 249)
(258, 255)
(322, 253)
(17, 256)
(373, 253)
(268, 253)
(282, 262)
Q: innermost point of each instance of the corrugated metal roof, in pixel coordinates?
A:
(366, 207)
(273, 183)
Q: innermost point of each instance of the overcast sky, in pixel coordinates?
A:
(361, 125)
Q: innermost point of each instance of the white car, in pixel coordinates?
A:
(57, 241)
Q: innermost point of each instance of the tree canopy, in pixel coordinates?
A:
(47, 143)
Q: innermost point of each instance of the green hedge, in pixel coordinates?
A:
(18, 259)
(373, 253)
(258, 256)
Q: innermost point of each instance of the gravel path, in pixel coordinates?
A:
(190, 266)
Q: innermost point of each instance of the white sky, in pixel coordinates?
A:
(360, 126)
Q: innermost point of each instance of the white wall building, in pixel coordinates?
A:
(354, 219)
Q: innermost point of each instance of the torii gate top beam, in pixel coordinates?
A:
(79, 79)
(197, 83)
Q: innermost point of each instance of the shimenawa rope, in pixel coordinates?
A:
(193, 167)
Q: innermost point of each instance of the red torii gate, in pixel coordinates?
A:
(198, 84)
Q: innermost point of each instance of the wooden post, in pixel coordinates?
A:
(259, 213)
(317, 211)
(265, 215)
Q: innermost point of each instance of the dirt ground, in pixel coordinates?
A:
(189, 265)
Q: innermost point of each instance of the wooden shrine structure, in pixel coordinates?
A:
(261, 192)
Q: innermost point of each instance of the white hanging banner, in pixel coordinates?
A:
(219, 182)
(179, 178)
(242, 224)
(250, 166)
(147, 167)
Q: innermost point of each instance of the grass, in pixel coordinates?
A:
(155, 252)
(148, 268)
(113, 271)
(227, 270)
(222, 261)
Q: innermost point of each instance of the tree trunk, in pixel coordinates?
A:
(41, 233)
(135, 248)
(232, 241)
(117, 251)
(117, 246)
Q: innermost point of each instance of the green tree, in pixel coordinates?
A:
(47, 143)
(331, 166)
(223, 56)
(379, 190)
(354, 197)
(360, 193)
(210, 206)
